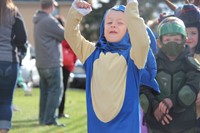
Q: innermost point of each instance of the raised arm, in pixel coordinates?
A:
(81, 47)
(171, 5)
(138, 34)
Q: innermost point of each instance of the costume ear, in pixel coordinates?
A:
(158, 43)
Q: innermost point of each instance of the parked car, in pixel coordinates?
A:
(77, 78)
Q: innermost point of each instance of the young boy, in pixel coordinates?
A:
(113, 66)
(190, 15)
(174, 110)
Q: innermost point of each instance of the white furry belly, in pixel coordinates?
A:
(108, 85)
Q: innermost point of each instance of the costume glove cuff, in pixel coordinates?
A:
(83, 11)
(129, 1)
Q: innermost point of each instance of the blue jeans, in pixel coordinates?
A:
(8, 78)
(50, 94)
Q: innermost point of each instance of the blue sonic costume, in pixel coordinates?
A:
(113, 72)
(150, 70)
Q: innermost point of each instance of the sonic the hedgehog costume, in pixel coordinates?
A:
(113, 71)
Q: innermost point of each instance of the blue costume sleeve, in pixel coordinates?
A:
(151, 65)
(153, 40)
(150, 70)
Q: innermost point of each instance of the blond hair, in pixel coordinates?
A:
(7, 10)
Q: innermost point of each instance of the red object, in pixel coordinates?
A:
(69, 58)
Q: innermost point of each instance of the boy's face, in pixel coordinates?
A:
(193, 35)
(172, 38)
(115, 26)
(172, 45)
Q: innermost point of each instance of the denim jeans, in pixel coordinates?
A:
(8, 78)
(50, 94)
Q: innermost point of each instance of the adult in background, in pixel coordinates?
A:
(69, 59)
(48, 33)
(12, 39)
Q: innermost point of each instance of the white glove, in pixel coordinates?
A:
(130, 1)
(83, 11)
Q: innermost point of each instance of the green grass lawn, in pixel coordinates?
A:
(26, 120)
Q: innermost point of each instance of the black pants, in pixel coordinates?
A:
(65, 81)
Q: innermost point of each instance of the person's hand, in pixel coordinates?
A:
(161, 117)
(198, 105)
(198, 100)
(82, 6)
(165, 105)
(166, 119)
(158, 114)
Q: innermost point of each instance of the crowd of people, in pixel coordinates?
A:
(135, 82)
(179, 86)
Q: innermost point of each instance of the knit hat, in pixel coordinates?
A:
(49, 2)
(190, 14)
(172, 25)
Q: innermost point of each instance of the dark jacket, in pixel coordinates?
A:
(13, 38)
(179, 81)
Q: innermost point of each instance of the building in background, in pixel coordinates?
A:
(29, 7)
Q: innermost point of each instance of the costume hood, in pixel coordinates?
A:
(106, 46)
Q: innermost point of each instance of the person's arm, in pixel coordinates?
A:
(151, 64)
(171, 5)
(18, 32)
(152, 37)
(138, 34)
(19, 37)
(198, 105)
(148, 98)
(184, 97)
(81, 47)
(54, 29)
(187, 94)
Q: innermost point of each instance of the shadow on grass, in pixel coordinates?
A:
(77, 125)
(73, 125)
(25, 123)
(32, 126)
